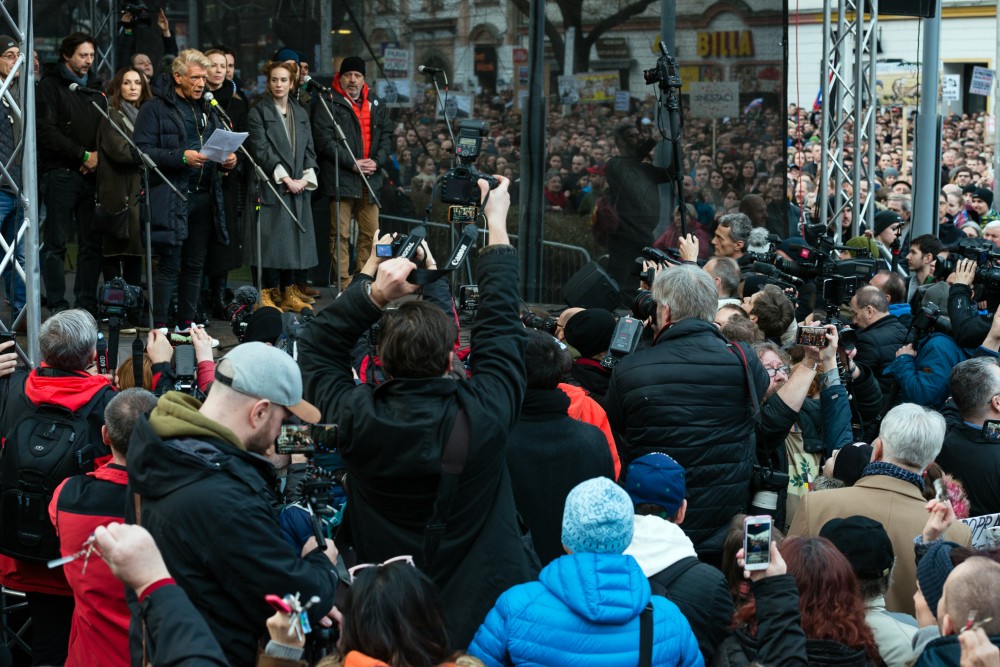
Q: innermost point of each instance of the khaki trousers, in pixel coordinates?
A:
(366, 214)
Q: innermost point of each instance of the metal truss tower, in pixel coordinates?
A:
(18, 94)
(103, 26)
(848, 112)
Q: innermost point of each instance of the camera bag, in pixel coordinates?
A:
(47, 444)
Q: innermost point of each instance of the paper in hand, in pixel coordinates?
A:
(222, 144)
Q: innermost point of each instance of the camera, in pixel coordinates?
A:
(186, 371)
(240, 309)
(116, 298)
(928, 320)
(984, 253)
(140, 14)
(546, 324)
(644, 305)
(468, 302)
(307, 439)
(664, 73)
(459, 185)
(403, 245)
(670, 256)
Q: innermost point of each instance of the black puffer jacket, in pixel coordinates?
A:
(688, 396)
(877, 345)
(159, 132)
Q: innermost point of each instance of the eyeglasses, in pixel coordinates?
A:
(351, 572)
(9, 57)
(784, 370)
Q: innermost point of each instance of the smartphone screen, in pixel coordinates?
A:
(991, 430)
(813, 336)
(757, 542)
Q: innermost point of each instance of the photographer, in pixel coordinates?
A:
(392, 438)
(968, 327)
(796, 432)
(161, 353)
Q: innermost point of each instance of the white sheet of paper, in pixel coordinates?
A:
(222, 144)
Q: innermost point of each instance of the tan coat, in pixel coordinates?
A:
(894, 503)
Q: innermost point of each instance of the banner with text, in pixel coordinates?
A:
(714, 100)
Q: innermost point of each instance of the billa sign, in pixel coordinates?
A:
(726, 44)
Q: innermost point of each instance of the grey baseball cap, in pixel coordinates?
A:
(263, 371)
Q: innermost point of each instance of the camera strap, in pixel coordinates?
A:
(466, 242)
(138, 348)
(453, 460)
(737, 349)
(646, 636)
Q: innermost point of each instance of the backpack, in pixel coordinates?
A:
(47, 444)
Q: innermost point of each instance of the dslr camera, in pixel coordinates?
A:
(116, 298)
(546, 324)
(459, 185)
(984, 253)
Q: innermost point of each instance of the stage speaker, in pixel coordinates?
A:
(592, 287)
(922, 8)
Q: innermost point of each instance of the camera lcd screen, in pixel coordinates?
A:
(814, 336)
(114, 295)
(383, 250)
(306, 438)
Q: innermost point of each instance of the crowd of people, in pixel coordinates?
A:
(537, 497)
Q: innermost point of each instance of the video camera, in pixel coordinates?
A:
(116, 298)
(310, 440)
(307, 439)
(240, 309)
(546, 324)
(985, 254)
(186, 371)
(624, 341)
(926, 321)
(459, 185)
(669, 256)
(402, 245)
(141, 15)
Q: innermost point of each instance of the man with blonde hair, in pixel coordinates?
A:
(172, 128)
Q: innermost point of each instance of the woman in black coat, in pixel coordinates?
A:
(118, 180)
(282, 143)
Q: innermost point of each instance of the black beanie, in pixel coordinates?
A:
(851, 462)
(590, 331)
(885, 219)
(352, 64)
(985, 194)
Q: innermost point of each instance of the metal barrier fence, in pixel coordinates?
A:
(560, 260)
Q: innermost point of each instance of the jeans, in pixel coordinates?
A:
(180, 267)
(11, 217)
(68, 195)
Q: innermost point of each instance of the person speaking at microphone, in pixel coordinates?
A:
(172, 128)
(282, 143)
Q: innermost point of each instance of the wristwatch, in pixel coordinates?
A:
(368, 291)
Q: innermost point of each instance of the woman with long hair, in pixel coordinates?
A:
(118, 181)
(282, 141)
(829, 604)
(392, 617)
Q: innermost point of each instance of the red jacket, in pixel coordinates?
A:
(362, 109)
(585, 409)
(72, 390)
(99, 636)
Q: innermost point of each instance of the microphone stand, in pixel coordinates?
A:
(338, 139)
(670, 87)
(447, 122)
(261, 178)
(145, 164)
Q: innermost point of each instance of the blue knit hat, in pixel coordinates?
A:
(932, 571)
(656, 479)
(598, 518)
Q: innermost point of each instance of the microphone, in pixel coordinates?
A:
(314, 84)
(214, 103)
(775, 272)
(77, 88)
(759, 241)
(429, 70)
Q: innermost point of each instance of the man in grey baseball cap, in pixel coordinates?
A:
(206, 494)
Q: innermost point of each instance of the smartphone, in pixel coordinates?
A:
(756, 542)
(307, 438)
(812, 336)
(7, 336)
(991, 430)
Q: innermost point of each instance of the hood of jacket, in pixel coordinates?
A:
(657, 544)
(70, 389)
(177, 446)
(340, 91)
(609, 589)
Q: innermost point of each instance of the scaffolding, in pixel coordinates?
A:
(103, 26)
(18, 94)
(849, 105)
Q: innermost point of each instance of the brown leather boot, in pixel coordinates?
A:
(270, 298)
(299, 294)
(290, 303)
(308, 291)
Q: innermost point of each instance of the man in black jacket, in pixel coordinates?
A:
(205, 492)
(666, 555)
(968, 453)
(172, 128)
(549, 452)
(692, 395)
(365, 122)
(392, 436)
(880, 334)
(67, 158)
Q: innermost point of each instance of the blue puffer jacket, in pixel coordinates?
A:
(583, 612)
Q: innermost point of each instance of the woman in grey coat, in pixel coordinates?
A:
(281, 141)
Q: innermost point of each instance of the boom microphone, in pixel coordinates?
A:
(759, 241)
(429, 70)
(775, 272)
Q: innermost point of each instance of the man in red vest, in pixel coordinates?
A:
(365, 122)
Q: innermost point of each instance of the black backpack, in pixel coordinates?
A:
(47, 444)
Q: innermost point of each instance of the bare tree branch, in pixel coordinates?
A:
(619, 17)
(554, 35)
